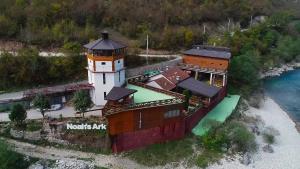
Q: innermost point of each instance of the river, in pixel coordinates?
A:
(285, 91)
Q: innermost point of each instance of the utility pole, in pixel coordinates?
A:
(147, 50)
(228, 26)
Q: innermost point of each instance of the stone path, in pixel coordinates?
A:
(51, 153)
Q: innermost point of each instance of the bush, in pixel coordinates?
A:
(242, 137)
(10, 159)
(34, 126)
(297, 26)
(207, 157)
(232, 134)
(268, 138)
(162, 154)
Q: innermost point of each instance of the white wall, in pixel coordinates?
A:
(90, 64)
(119, 64)
(112, 79)
(122, 78)
(103, 68)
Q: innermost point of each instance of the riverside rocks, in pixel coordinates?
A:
(268, 149)
(63, 164)
(73, 164)
(278, 71)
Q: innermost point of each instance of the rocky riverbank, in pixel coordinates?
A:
(285, 149)
(277, 71)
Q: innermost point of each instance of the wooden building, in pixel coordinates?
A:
(208, 63)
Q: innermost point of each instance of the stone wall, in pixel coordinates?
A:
(34, 136)
(158, 66)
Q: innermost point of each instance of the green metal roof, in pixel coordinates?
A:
(146, 95)
(220, 113)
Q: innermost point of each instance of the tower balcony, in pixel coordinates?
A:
(113, 57)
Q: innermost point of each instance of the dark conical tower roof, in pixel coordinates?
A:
(104, 43)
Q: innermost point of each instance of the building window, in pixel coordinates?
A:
(104, 78)
(104, 95)
(119, 76)
(172, 113)
(103, 63)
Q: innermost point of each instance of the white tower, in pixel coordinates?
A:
(105, 67)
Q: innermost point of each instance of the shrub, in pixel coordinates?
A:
(216, 138)
(234, 134)
(18, 114)
(297, 26)
(240, 136)
(161, 154)
(10, 159)
(207, 157)
(34, 126)
(268, 138)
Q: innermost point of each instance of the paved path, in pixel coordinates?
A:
(52, 153)
(66, 112)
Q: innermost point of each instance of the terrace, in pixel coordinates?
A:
(145, 97)
(216, 77)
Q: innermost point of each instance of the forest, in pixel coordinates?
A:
(171, 25)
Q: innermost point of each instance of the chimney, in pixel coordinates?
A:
(104, 35)
(167, 67)
(178, 78)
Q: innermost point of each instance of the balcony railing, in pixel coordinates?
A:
(113, 109)
(202, 69)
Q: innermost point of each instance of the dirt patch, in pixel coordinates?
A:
(94, 141)
(10, 45)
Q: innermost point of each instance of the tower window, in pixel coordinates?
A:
(119, 76)
(104, 95)
(103, 63)
(104, 78)
(118, 61)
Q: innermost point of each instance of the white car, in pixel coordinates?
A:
(55, 107)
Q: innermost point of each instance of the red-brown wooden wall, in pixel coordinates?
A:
(173, 130)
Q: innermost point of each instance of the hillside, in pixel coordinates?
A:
(170, 24)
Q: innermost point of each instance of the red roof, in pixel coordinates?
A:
(173, 73)
(165, 83)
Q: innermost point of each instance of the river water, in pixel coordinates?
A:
(285, 91)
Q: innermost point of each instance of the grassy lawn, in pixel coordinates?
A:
(34, 125)
(162, 154)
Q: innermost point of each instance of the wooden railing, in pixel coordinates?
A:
(200, 69)
(113, 109)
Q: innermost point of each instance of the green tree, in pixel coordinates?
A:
(42, 103)
(187, 95)
(297, 26)
(18, 114)
(244, 72)
(287, 48)
(8, 27)
(82, 101)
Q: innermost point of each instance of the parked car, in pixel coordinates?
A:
(55, 107)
